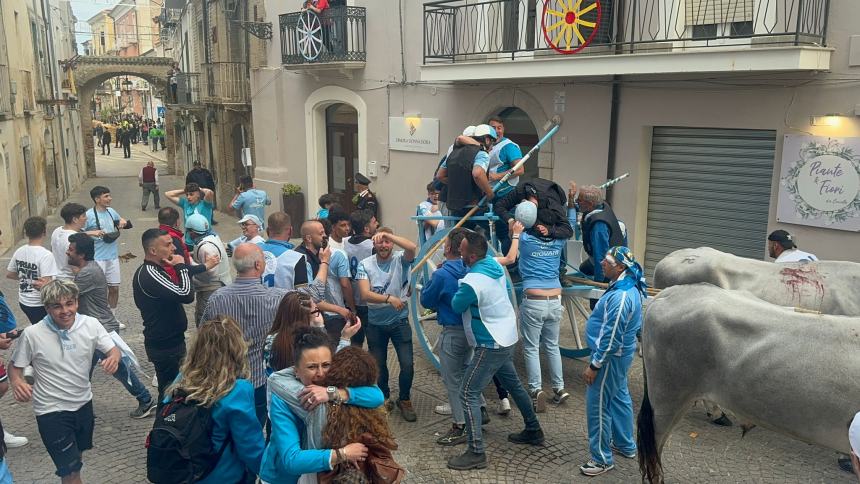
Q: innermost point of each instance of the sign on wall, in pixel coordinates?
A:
(820, 182)
(413, 134)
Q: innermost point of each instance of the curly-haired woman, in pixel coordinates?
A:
(297, 413)
(215, 374)
(354, 367)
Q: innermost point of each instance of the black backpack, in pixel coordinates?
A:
(179, 447)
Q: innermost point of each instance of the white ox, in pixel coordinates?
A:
(701, 341)
(830, 287)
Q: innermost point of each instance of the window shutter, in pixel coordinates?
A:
(705, 12)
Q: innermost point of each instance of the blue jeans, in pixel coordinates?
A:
(400, 335)
(609, 410)
(454, 356)
(539, 325)
(485, 363)
(127, 377)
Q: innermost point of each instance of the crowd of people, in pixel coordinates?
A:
(126, 130)
(276, 384)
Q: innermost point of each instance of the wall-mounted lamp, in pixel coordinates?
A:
(831, 120)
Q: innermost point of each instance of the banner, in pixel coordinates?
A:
(819, 184)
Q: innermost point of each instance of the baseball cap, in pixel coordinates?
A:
(251, 218)
(783, 238)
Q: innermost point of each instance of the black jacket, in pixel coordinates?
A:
(552, 206)
(160, 302)
(202, 177)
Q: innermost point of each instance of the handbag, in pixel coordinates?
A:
(108, 237)
(379, 467)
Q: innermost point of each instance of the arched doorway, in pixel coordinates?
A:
(341, 121)
(520, 129)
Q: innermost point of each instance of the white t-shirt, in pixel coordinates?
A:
(59, 245)
(61, 362)
(795, 255)
(31, 262)
(335, 245)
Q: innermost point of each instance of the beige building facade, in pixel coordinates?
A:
(695, 111)
(104, 35)
(40, 147)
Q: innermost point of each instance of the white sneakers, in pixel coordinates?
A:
(443, 409)
(13, 441)
(504, 407)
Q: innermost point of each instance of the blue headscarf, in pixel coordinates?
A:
(635, 275)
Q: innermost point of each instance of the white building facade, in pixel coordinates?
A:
(694, 99)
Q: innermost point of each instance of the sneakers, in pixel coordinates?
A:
(389, 405)
(143, 409)
(485, 416)
(621, 453)
(468, 460)
(531, 437)
(443, 409)
(504, 407)
(13, 441)
(592, 468)
(844, 463)
(456, 436)
(538, 400)
(559, 395)
(406, 410)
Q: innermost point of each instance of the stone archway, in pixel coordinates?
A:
(90, 72)
(497, 100)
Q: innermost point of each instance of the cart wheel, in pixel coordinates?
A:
(427, 329)
(570, 25)
(309, 33)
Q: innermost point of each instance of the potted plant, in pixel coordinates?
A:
(293, 203)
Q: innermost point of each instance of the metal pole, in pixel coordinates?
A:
(483, 200)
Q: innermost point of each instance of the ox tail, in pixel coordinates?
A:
(650, 465)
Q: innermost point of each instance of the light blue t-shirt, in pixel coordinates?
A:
(104, 250)
(253, 201)
(539, 261)
(386, 314)
(203, 207)
(507, 155)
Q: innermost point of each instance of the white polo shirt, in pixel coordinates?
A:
(796, 255)
(61, 362)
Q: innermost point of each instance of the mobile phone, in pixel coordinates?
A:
(14, 333)
(325, 241)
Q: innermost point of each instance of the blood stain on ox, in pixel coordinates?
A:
(798, 279)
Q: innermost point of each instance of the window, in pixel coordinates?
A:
(707, 31)
(742, 29)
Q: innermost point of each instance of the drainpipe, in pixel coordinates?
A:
(615, 102)
(55, 88)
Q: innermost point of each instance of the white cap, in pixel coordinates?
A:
(526, 213)
(251, 218)
(469, 131)
(854, 434)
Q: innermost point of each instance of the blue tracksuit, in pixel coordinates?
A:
(611, 335)
(437, 293)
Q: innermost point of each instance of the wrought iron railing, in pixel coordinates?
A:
(5, 91)
(340, 37)
(466, 30)
(225, 82)
(187, 88)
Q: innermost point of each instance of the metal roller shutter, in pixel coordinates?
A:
(709, 187)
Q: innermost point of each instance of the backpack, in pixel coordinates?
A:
(179, 447)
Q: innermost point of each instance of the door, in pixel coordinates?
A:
(341, 153)
(520, 129)
(709, 188)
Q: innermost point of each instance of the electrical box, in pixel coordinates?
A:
(371, 168)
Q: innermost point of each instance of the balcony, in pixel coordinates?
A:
(225, 83)
(504, 39)
(187, 89)
(337, 39)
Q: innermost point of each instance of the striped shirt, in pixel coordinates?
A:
(253, 306)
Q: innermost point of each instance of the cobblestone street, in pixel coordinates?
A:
(697, 452)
